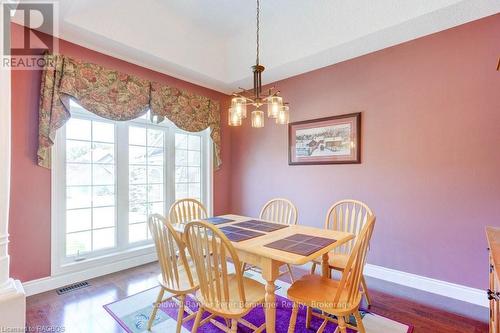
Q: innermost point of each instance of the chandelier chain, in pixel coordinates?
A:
(258, 30)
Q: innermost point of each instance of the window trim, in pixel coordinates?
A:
(123, 249)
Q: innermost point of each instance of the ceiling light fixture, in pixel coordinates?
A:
(276, 108)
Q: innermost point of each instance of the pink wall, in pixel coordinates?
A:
(29, 225)
(430, 159)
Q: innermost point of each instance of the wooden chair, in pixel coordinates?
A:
(176, 276)
(187, 210)
(281, 211)
(230, 296)
(349, 216)
(339, 298)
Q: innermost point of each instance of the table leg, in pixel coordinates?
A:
(325, 267)
(270, 272)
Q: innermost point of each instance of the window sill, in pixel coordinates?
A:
(135, 256)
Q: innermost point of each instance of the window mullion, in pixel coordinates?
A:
(122, 172)
(169, 167)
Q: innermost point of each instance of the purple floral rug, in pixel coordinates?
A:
(133, 312)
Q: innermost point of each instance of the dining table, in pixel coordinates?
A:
(258, 251)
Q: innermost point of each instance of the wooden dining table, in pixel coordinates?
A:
(255, 252)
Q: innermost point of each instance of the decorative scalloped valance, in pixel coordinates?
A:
(116, 96)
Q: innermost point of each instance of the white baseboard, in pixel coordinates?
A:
(439, 287)
(34, 287)
(434, 286)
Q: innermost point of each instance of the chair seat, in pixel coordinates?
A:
(336, 261)
(184, 286)
(317, 291)
(254, 294)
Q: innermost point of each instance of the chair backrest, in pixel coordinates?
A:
(349, 291)
(187, 210)
(279, 210)
(171, 252)
(349, 216)
(203, 238)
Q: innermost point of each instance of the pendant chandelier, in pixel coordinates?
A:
(276, 109)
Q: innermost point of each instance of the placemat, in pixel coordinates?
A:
(218, 220)
(260, 225)
(301, 244)
(237, 234)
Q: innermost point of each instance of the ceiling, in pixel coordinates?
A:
(212, 42)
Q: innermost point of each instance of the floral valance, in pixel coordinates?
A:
(117, 96)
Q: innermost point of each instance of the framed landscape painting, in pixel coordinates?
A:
(331, 140)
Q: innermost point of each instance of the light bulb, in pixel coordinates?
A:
(240, 106)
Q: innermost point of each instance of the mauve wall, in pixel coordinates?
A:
(430, 159)
(29, 225)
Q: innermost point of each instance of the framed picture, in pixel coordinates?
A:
(331, 140)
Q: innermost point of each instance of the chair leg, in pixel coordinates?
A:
(234, 325)
(308, 317)
(197, 320)
(342, 325)
(155, 308)
(243, 267)
(365, 291)
(313, 268)
(180, 314)
(291, 273)
(293, 318)
(359, 322)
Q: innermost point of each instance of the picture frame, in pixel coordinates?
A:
(329, 140)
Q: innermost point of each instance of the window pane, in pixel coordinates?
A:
(78, 151)
(155, 138)
(103, 217)
(103, 132)
(155, 156)
(193, 158)
(181, 141)
(78, 129)
(137, 136)
(194, 190)
(181, 157)
(137, 193)
(104, 174)
(103, 153)
(181, 175)
(137, 213)
(155, 193)
(103, 238)
(78, 220)
(104, 196)
(137, 174)
(156, 208)
(78, 174)
(155, 174)
(137, 232)
(78, 197)
(194, 142)
(137, 155)
(78, 243)
(194, 174)
(181, 191)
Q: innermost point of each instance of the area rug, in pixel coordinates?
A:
(132, 313)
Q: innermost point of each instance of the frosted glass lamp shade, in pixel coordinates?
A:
(274, 106)
(239, 104)
(257, 119)
(283, 115)
(234, 118)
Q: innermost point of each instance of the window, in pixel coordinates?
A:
(108, 177)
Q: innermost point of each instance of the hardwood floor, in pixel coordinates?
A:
(81, 311)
